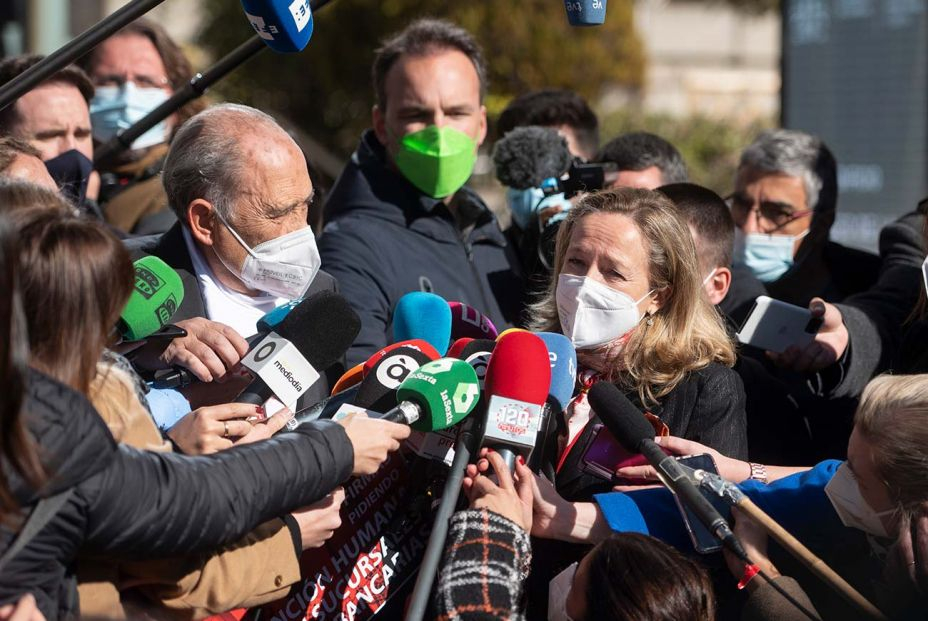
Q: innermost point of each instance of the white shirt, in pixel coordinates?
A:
(237, 310)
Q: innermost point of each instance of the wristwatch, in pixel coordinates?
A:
(758, 472)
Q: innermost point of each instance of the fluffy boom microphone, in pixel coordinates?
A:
(636, 435)
(526, 156)
(287, 361)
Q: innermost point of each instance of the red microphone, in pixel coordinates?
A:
(457, 347)
(418, 344)
(517, 383)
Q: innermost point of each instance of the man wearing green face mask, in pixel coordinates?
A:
(400, 218)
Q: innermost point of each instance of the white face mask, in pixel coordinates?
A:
(845, 497)
(592, 313)
(284, 266)
(558, 590)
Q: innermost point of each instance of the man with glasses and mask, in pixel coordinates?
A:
(400, 217)
(133, 72)
(783, 207)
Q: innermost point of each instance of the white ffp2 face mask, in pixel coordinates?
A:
(844, 493)
(558, 590)
(284, 266)
(593, 314)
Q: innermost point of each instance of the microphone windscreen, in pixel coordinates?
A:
(563, 358)
(624, 421)
(477, 354)
(446, 390)
(586, 12)
(510, 331)
(467, 321)
(426, 316)
(349, 378)
(526, 156)
(322, 327)
(519, 369)
(457, 347)
(418, 344)
(273, 317)
(156, 296)
(284, 26)
(378, 388)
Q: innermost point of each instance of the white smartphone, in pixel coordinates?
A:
(774, 325)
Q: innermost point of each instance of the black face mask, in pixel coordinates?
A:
(71, 171)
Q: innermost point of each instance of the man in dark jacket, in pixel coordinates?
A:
(242, 245)
(786, 192)
(399, 218)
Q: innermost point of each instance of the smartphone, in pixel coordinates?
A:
(773, 325)
(703, 541)
(603, 455)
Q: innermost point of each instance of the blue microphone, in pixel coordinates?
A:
(563, 367)
(426, 316)
(284, 25)
(273, 317)
(563, 358)
(585, 12)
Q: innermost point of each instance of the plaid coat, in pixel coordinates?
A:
(486, 563)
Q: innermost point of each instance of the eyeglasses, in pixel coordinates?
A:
(770, 216)
(142, 81)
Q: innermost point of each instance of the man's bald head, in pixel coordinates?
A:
(217, 154)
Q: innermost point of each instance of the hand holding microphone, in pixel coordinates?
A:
(511, 498)
(373, 440)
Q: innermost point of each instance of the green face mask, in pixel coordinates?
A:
(437, 160)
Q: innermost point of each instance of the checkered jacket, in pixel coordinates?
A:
(485, 566)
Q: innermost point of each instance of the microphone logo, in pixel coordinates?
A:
(513, 418)
(289, 376)
(301, 12)
(392, 372)
(264, 30)
(147, 283)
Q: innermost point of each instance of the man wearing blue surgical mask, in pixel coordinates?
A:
(783, 207)
(133, 72)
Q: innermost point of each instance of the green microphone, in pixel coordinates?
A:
(437, 395)
(156, 296)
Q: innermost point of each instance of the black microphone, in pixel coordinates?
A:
(527, 156)
(636, 435)
(315, 334)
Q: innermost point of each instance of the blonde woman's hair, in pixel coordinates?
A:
(686, 333)
(112, 393)
(893, 417)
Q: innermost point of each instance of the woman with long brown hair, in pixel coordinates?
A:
(111, 501)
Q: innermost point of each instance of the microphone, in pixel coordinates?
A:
(156, 296)
(509, 331)
(585, 12)
(426, 316)
(636, 435)
(285, 26)
(517, 381)
(349, 378)
(457, 347)
(439, 444)
(563, 358)
(468, 322)
(387, 370)
(179, 377)
(288, 360)
(378, 390)
(436, 396)
(417, 344)
(528, 156)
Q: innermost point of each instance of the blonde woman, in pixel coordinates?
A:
(627, 291)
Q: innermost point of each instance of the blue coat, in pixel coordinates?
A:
(384, 238)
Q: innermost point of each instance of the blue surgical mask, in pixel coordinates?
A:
(116, 108)
(525, 205)
(767, 256)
